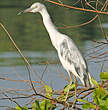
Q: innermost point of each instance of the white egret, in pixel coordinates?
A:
(69, 55)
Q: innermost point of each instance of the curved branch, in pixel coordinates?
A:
(76, 8)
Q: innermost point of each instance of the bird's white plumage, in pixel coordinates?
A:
(69, 55)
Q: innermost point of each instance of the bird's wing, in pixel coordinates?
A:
(72, 56)
(76, 54)
(73, 61)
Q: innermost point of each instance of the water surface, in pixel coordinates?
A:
(33, 40)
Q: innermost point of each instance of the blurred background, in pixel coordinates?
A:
(30, 35)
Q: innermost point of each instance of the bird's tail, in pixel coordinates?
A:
(87, 80)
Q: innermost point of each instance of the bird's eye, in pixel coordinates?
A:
(36, 6)
(33, 7)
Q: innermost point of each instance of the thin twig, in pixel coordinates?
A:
(25, 60)
(76, 8)
(11, 99)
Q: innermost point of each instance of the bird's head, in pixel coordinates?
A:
(36, 7)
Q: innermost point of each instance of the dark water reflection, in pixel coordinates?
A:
(29, 32)
(32, 38)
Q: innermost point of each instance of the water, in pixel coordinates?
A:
(12, 69)
(31, 37)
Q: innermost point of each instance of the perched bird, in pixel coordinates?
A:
(69, 55)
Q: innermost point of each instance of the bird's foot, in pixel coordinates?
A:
(74, 101)
(75, 97)
(67, 89)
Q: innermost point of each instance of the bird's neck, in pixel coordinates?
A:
(47, 22)
(49, 26)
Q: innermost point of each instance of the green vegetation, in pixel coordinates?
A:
(99, 99)
(100, 96)
(44, 104)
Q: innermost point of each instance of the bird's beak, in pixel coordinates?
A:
(25, 11)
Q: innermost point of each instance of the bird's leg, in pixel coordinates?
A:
(75, 95)
(69, 87)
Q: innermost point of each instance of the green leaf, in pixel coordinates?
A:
(47, 105)
(43, 105)
(36, 106)
(61, 97)
(50, 105)
(95, 82)
(107, 102)
(105, 97)
(81, 100)
(66, 88)
(104, 103)
(100, 95)
(18, 108)
(71, 87)
(95, 97)
(103, 107)
(92, 106)
(86, 106)
(102, 82)
(25, 108)
(48, 91)
(104, 75)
